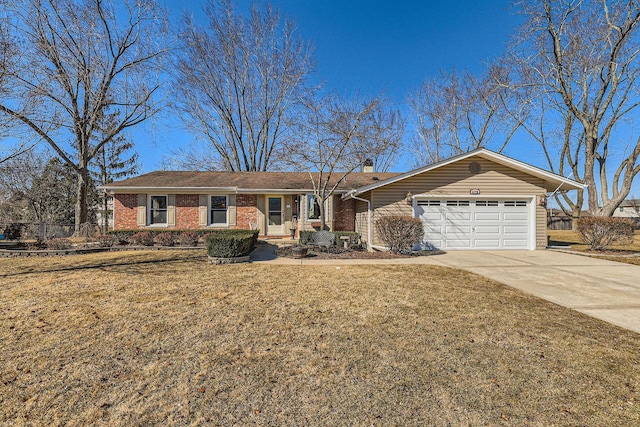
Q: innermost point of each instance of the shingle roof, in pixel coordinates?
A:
(241, 180)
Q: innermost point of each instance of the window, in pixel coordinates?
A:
(621, 209)
(218, 213)
(313, 208)
(429, 203)
(486, 203)
(457, 203)
(515, 203)
(158, 210)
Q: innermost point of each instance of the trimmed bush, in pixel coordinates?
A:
(165, 239)
(400, 233)
(188, 238)
(124, 236)
(231, 243)
(600, 232)
(143, 238)
(58, 244)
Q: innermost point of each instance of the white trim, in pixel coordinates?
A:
(486, 154)
(210, 209)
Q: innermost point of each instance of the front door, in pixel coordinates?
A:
(275, 222)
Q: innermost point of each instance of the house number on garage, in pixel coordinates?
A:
(475, 191)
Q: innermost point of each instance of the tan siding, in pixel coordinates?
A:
(456, 179)
(203, 208)
(262, 225)
(142, 210)
(541, 227)
(362, 223)
(171, 210)
(232, 209)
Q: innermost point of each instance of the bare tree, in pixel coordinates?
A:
(42, 185)
(238, 79)
(79, 61)
(456, 113)
(334, 137)
(578, 62)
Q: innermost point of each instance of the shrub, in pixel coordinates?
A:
(143, 238)
(304, 236)
(106, 241)
(165, 239)
(399, 233)
(231, 243)
(13, 231)
(58, 244)
(600, 232)
(188, 238)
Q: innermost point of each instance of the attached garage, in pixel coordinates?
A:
(480, 200)
(451, 224)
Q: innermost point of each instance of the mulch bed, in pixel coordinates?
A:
(339, 253)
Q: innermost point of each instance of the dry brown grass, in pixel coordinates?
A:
(163, 338)
(572, 238)
(615, 253)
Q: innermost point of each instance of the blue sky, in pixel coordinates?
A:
(370, 47)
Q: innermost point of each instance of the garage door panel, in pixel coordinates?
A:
(487, 243)
(432, 216)
(515, 216)
(458, 243)
(457, 216)
(515, 243)
(511, 229)
(457, 229)
(486, 216)
(487, 229)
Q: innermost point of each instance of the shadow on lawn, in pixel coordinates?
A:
(103, 265)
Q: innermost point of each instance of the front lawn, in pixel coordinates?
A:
(164, 338)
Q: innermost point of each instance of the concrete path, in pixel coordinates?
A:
(606, 290)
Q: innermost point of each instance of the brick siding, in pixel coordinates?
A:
(344, 214)
(246, 211)
(187, 211)
(125, 211)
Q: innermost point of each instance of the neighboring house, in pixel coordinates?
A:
(628, 209)
(477, 200)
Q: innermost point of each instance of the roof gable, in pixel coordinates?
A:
(552, 181)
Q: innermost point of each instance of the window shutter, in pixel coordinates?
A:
(142, 210)
(232, 209)
(171, 210)
(202, 210)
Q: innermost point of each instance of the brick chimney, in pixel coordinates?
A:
(367, 166)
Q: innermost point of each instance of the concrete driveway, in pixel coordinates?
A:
(603, 289)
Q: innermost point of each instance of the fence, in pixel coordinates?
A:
(559, 223)
(46, 231)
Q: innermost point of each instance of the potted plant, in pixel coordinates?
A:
(299, 252)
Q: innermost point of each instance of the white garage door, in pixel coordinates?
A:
(475, 224)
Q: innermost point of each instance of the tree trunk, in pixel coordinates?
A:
(81, 202)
